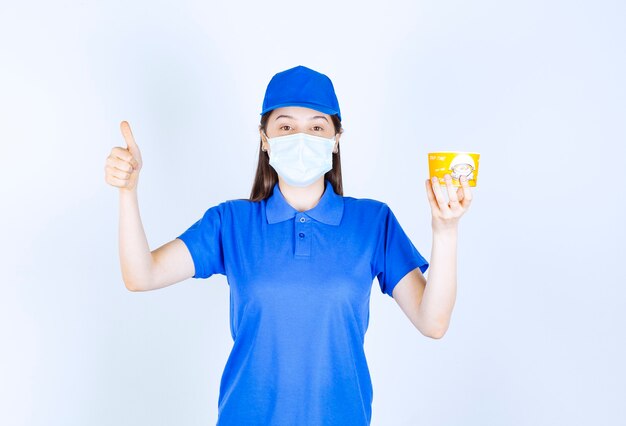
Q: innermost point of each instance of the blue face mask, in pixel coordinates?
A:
(301, 159)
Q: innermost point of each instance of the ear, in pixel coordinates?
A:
(336, 147)
(263, 139)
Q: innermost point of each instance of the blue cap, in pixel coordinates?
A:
(301, 86)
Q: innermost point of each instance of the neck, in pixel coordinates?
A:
(302, 198)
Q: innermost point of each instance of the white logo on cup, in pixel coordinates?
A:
(462, 165)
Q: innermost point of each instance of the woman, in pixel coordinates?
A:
(300, 259)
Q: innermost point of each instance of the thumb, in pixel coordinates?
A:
(130, 140)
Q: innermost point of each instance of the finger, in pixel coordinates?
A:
(123, 155)
(467, 192)
(121, 165)
(120, 183)
(127, 133)
(453, 199)
(441, 200)
(117, 173)
(459, 193)
(431, 195)
(130, 139)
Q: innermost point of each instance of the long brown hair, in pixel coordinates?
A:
(266, 177)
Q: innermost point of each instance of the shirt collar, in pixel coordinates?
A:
(328, 210)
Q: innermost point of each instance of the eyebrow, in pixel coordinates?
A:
(312, 118)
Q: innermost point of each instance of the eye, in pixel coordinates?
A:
(319, 127)
(282, 127)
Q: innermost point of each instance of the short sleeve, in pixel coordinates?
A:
(395, 255)
(204, 241)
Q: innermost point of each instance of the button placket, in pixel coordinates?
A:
(302, 235)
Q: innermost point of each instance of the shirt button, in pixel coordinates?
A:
(302, 219)
(301, 234)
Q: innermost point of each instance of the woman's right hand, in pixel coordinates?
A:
(123, 164)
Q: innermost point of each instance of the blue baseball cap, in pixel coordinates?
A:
(301, 86)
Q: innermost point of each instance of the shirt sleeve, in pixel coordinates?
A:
(395, 254)
(204, 241)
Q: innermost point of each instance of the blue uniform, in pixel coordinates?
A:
(300, 286)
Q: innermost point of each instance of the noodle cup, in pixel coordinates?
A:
(456, 164)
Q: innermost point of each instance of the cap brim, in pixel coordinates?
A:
(316, 107)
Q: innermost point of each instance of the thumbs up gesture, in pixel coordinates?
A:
(123, 164)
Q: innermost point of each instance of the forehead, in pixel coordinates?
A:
(298, 113)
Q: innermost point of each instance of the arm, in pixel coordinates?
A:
(135, 256)
(429, 304)
(143, 270)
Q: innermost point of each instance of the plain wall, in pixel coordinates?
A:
(536, 87)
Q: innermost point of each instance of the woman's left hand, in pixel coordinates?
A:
(446, 215)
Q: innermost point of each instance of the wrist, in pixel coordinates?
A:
(128, 193)
(446, 231)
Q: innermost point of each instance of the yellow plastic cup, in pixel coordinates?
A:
(456, 164)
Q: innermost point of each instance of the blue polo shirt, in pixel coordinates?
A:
(300, 285)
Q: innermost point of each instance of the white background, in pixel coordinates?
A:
(536, 87)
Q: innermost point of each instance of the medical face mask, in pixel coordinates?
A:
(300, 159)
